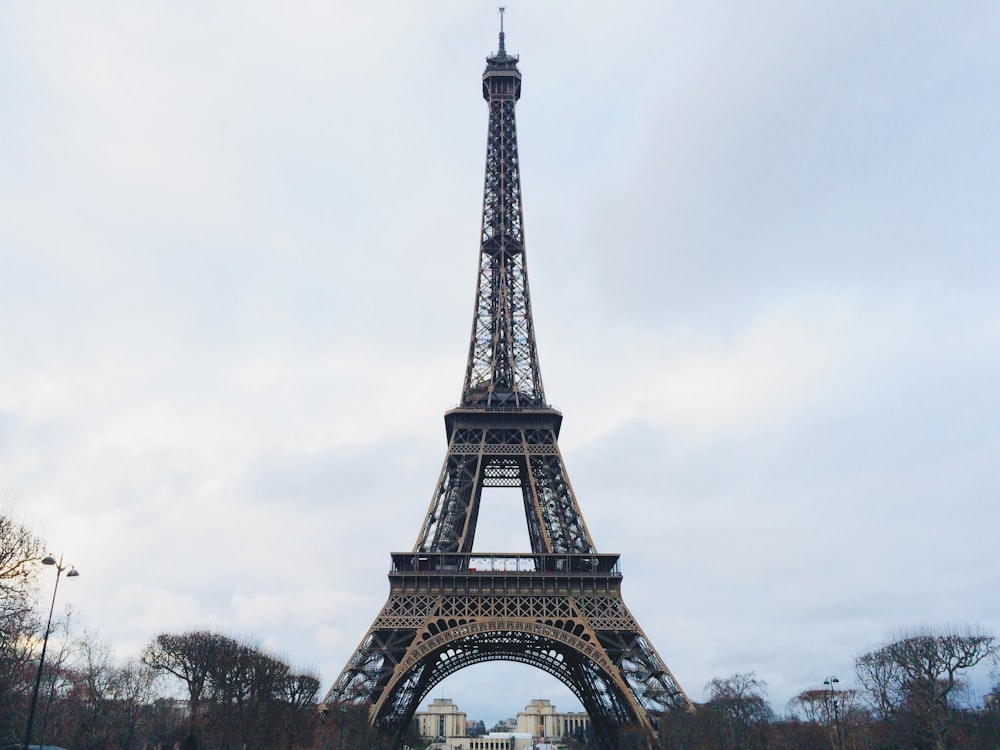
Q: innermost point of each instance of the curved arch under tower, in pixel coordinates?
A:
(551, 649)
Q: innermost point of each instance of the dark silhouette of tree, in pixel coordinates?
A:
(297, 717)
(739, 704)
(189, 658)
(20, 551)
(830, 709)
(812, 706)
(344, 726)
(238, 695)
(792, 734)
(102, 704)
(912, 681)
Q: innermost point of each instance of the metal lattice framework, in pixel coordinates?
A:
(483, 451)
(561, 613)
(503, 369)
(558, 608)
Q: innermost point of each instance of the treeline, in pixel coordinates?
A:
(197, 689)
(192, 690)
(911, 694)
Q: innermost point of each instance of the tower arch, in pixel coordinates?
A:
(552, 648)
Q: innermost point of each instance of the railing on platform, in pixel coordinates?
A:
(526, 563)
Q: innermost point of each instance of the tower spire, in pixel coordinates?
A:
(502, 370)
(501, 51)
(501, 56)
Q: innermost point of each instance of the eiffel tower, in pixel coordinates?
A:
(558, 608)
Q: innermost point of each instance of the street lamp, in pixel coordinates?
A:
(70, 573)
(831, 681)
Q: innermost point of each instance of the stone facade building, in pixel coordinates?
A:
(542, 721)
(441, 719)
(538, 723)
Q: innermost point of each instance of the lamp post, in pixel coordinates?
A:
(831, 681)
(70, 573)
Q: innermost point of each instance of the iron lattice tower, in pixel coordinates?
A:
(558, 608)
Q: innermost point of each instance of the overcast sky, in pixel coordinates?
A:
(238, 247)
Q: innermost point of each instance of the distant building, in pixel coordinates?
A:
(536, 726)
(497, 741)
(541, 720)
(505, 725)
(491, 741)
(442, 720)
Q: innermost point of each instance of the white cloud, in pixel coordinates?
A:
(238, 248)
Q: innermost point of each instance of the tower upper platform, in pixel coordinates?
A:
(501, 79)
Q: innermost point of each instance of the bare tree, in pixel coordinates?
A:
(20, 550)
(56, 678)
(239, 696)
(99, 702)
(913, 679)
(245, 686)
(741, 706)
(837, 711)
(298, 716)
(812, 706)
(189, 657)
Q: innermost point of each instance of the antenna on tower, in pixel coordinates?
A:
(502, 9)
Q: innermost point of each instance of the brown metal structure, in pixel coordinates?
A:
(558, 608)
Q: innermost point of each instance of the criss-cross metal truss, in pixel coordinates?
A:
(558, 608)
(503, 367)
(489, 447)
